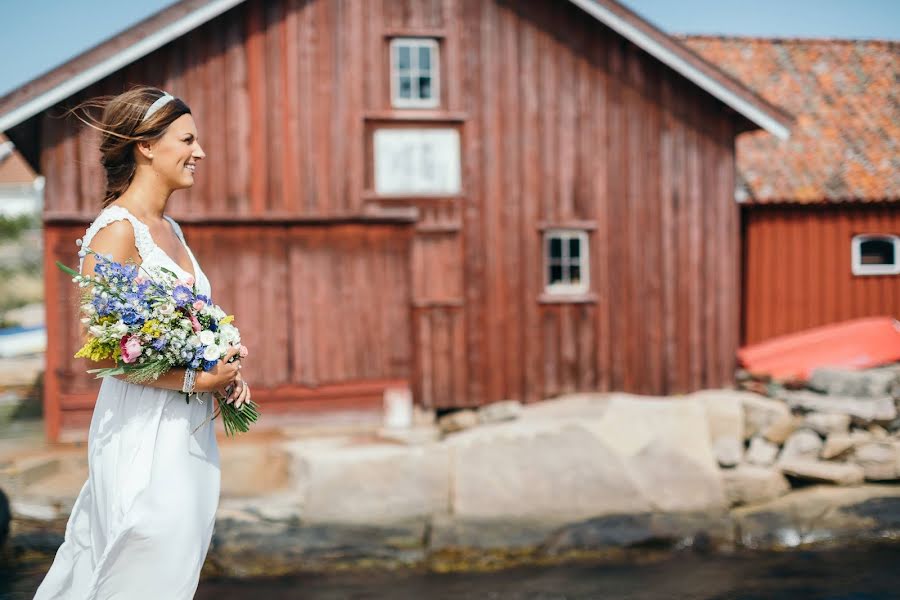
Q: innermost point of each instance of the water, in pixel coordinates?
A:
(869, 573)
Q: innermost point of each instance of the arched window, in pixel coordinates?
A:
(875, 254)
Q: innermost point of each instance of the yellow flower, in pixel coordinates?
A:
(95, 350)
(152, 328)
(226, 320)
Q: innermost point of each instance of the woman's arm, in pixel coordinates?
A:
(117, 239)
(216, 379)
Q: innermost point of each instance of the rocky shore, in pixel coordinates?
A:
(581, 475)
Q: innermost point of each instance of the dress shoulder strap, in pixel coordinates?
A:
(143, 241)
(177, 228)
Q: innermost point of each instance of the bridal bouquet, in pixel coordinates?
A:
(149, 323)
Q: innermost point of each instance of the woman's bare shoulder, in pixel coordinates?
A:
(116, 238)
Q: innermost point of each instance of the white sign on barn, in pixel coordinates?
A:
(417, 161)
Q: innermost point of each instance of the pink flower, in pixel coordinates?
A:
(243, 351)
(195, 324)
(199, 304)
(131, 348)
(140, 279)
(189, 280)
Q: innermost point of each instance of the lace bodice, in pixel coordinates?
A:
(151, 254)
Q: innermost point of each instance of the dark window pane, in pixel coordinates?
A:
(574, 247)
(555, 247)
(424, 59)
(402, 57)
(405, 87)
(555, 274)
(424, 87)
(575, 274)
(877, 252)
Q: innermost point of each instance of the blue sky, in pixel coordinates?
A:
(41, 34)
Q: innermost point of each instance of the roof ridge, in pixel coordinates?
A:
(783, 39)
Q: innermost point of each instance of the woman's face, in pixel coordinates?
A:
(175, 155)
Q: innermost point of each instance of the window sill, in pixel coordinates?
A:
(435, 115)
(586, 298)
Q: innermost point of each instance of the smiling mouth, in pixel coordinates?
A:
(192, 168)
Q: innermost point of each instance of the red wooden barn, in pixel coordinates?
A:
(821, 219)
(478, 199)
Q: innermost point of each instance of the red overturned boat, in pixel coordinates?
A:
(856, 344)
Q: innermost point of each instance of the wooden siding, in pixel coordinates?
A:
(562, 123)
(797, 268)
(319, 307)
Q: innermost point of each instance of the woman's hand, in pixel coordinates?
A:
(220, 376)
(240, 392)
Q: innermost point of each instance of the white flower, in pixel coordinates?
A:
(193, 340)
(167, 309)
(212, 352)
(207, 337)
(227, 333)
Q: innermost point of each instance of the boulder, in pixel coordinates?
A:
(725, 418)
(729, 451)
(803, 444)
(252, 469)
(779, 430)
(878, 432)
(837, 444)
(583, 405)
(760, 412)
(823, 471)
(821, 515)
(761, 452)
(497, 412)
(749, 484)
(371, 484)
(640, 456)
(863, 410)
(458, 421)
(870, 383)
(827, 423)
(878, 460)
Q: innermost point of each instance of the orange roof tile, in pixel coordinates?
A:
(845, 95)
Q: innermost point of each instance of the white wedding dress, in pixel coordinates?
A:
(142, 524)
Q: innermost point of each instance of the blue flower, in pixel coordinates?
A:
(182, 295)
(132, 317)
(102, 306)
(209, 364)
(158, 343)
(197, 360)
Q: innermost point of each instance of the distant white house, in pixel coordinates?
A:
(21, 190)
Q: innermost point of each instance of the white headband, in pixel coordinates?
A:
(160, 102)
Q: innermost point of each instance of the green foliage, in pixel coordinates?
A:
(12, 228)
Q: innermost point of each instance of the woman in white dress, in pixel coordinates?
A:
(141, 526)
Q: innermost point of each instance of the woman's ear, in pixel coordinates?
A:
(143, 147)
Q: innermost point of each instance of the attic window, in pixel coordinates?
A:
(875, 254)
(415, 81)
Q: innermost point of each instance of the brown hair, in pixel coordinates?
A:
(121, 126)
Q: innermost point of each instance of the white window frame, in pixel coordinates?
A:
(856, 255)
(415, 44)
(584, 264)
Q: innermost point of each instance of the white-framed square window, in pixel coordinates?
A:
(875, 254)
(566, 264)
(415, 74)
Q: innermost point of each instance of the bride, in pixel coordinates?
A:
(142, 523)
